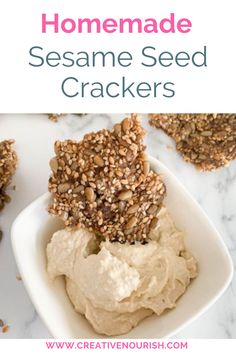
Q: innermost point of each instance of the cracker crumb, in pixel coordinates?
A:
(104, 183)
(55, 116)
(5, 329)
(206, 140)
(169, 147)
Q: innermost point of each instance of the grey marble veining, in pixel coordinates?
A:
(35, 135)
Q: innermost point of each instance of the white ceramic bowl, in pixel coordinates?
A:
(33, 228)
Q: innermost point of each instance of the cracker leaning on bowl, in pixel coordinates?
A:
(104, 183)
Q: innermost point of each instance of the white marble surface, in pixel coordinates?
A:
(35, 135)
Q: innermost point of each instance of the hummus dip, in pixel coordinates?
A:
(115, 286)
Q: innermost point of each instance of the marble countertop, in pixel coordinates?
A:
(35, 135)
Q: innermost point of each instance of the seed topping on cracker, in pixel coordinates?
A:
(206, 140)
(104, 183)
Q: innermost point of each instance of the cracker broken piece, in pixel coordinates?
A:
(104, 183)
(206, 140)
(8, 162)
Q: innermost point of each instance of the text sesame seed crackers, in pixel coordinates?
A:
(206, 140)
(104, 183)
